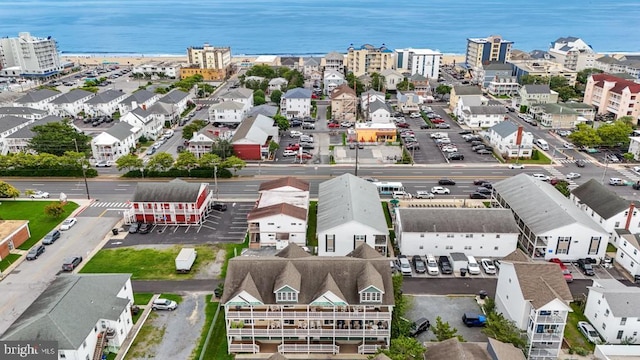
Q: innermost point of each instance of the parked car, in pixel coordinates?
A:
(304, 156)
(516, 166)
(103, 163)
(432, 265)
(445, 265)
(421, 194)
(446, 182)
(134, 227)
(484, 152)
(440, 190)
(333, 125)
(403, 125)
(219, 207)
(405, 265)
(565, 271)
(488, 267)
(425, 126)
(586, 267)
(415, 115)
(589, 332)
(412, 146)
(419, 264)
(483, 190)
(616, 182)
(164, 304)
(455, 156)
(35, 252)
(39, 195)
(479, 181)
(421, 325)
(145, 228)
(443, 126)
(473, 319)
(289, 152)
(71, 263)
(68, 223)
(51, 237)
(295, 133)
(346, 124)
(478, 195)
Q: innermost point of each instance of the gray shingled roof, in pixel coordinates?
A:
(467, 90)
(487, 110)
(264, 109)
(174, 191)
(462, 220)
(622, 300)
(120, 130)
(334, 56)
(349, 198)
(71, 97)
(139, 96)
(608, 60)
(537, 89)
(37, 96)
(297, 93)
(453, 349)
(314, 270)
(540, 205)
(27, 133)
(227, 105)
(239, 93)
(497, 66)
(10, 122)
(504, 351)
(504, 128)
(69, 309)
(256, 129)
(600, 199)
(174, 97)
(105, 97)
(20, 111)
(377, 104)
(142, 114)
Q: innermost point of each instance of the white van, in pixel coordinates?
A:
(472, 265)
(541, 144)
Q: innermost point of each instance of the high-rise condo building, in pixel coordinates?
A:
(425, 62)
(491, 49)
(368, 59)
(29, 56)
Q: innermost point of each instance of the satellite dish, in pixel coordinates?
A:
(63, 197)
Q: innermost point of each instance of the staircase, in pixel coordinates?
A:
(97, 353)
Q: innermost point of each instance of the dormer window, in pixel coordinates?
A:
(371, 296)
(286, 296)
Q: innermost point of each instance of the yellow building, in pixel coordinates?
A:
(368, 59)
(207, 74)
(376, 132)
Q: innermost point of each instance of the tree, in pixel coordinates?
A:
(443, 331)
(399, 326)
(404, 348)
(129, 162)
(258, 97)
(377, 82)
(55, 210)
(615, 134)
(161, 90)
(556, 82)
(161, 161)
(261, 70)
(282, 122)
(351, 79)
(405, 85)
(502, 329)
(186, 160)
(533, 79)
(627, 120)
(209, 161)
(583, 75)
(273, 147)
(275, 96)
(56, 138)
(233, 162)
(8, 191)
(563, 187)
(222, 148)
(585, 136)
(195, 126)
(566, 92)
(443, 90)
(294, 78)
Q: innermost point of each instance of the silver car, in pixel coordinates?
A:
(164, 304)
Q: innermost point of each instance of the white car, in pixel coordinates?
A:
(39, 195)
(449, 149)
(516, 166)
(168, 134)
(164, 304)
(439, 135)
(415, 115)
(589, 332)
(488, 267)
(636, 169)
(103, 163)
(440, 190)
(295, 133)
(567, 146)
(401, 195)
(542, 177)
(68, 224)
(421, 194)
(289, 153)
(571, 176)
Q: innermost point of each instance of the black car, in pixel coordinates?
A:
(420, 326)
(465, 132)
(134, 228)
(477, 195)
(487, 185)
(425, 126)
(419, 264)
(479, 182)
(446, 182)
(580, 163)
(71, 263)
(445, 265)
(455, 156)
(51, 237)
(144, 228)
(219, 207)
(483, 190)
(295, 123)
(35, 252)
(585, 266)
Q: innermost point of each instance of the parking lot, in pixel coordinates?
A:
(219, 226)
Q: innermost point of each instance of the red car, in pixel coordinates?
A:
(437, 121)
(293, 147)
(304, 156)
(565, 271)
(403, 125)
(333, 125)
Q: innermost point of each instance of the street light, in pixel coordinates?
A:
(86, 184)
(215, 180)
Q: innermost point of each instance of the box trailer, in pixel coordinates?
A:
(185, 259)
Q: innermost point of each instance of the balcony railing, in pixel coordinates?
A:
(304, 348)
(368, 349)
(546, 337)
(243, 348)
(550, 320)
(319, 315)
(247, 331)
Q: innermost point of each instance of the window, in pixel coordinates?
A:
(62, 355)
(360, 237)
(289, 322)
(621, 255)
(623, 321)
(620, 333)
(248, 321)
(564, 242)
(467, 247)
(617, 224)
(286, 296)
(468, 235)
(330, 243)
(328, 322)
(84, 344)
(606, 313)
(604, 326)
(594, 245)
(421, 247)
(495, 248)
(270, 223)
(449, 235)
(371, 297)
(497, 236)
(421, 235)
(448, 247)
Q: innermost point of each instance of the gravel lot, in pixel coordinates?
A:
(450, 309)
(176, 332)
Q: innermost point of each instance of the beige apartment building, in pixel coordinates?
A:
(344, 103)
(213, 63)
(614, 95)
(368, 59)
(544, 68)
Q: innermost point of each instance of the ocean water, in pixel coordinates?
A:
(318, 26)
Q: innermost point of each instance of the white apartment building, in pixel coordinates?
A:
(296, 103)
(17, 140)
(478, 232)
(25, 112)
(536, 297)
(115, 142)
(573, 53)
(486, 50)
(511, 140)
(611, 309)
(104, 103)
(280, 215)
(277, 84)
(537, 94)
(349, 214)
(240, 95)
(69, 104)
(334, 61)
(370, 96)
(425, 62)
(29, 56)
(295, 303)
(332, 79)
(37, 99)
(140, 98)
(210, 57)
(628, 250)
(159, 68)
(105, 321)
(10, 125)
(149, 124)
(227, 112)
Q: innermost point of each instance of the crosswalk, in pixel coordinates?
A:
(111, 205)
(555, 173)
(573, 161)
(628, 174)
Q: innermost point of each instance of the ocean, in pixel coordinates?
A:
(318, 26)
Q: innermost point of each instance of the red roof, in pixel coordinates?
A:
(620, 84)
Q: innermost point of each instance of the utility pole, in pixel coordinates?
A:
(84, 171)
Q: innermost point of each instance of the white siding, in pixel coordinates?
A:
(598, 312)
(579, 245)
(509, 298)
(344, 238)
(283, 224)
(476, 244)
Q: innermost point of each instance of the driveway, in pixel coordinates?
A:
(175, 333)
(20, 288)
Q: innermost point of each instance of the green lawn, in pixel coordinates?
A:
(39, 223)
(232, 250)
(142, 298)
(571, 333)
(537, 158)
(175, 297)
(611, 248)
(146, 264)
(10, 259)
(209, 312)
(312, 224)
(387, 214)
(217, 346)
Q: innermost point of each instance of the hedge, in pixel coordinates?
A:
(174, 173)
(37, 172)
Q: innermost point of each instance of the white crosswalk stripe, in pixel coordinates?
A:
(569, 161)
(110, 204)
(629, 174)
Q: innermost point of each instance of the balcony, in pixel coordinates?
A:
(307, 348)
(557, 337)
(550, 320)
(322, 332)
(318, 314)
(243, 348)
(368, 349)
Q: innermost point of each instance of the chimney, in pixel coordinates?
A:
(629, 216)
(519, 136)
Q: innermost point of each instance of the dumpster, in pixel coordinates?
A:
(463, 272)
(114, 231)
